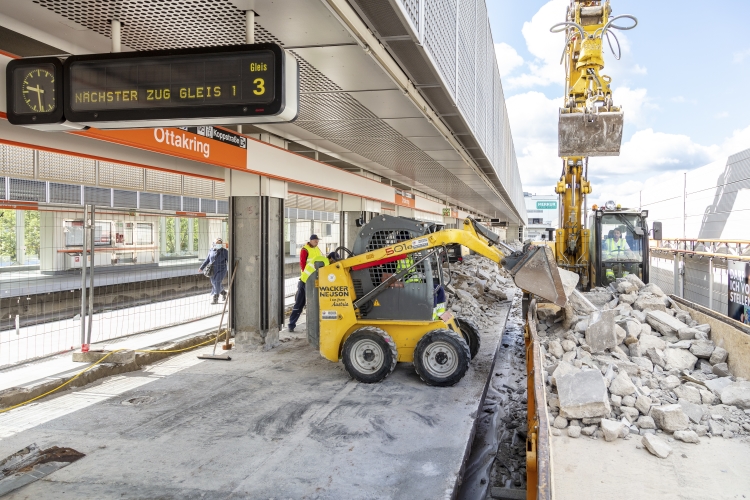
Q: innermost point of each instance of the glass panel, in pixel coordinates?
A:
(145, 234)
(621, 250)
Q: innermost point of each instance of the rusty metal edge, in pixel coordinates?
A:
(544, 485)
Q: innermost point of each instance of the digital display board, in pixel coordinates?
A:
(216, 85)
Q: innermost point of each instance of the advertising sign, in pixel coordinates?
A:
(739, 291)
(546, 205)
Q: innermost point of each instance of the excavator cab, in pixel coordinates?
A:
(619, 246)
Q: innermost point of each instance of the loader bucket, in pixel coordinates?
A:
(590, 134)
(536, 271)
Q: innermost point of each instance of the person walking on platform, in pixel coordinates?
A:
(216, 261)
(309, 255)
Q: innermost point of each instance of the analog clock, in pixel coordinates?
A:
(37, 89)
(34, 92)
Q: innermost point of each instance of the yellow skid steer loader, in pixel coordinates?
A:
(378, 306)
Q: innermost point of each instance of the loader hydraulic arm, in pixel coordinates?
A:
(533, 270)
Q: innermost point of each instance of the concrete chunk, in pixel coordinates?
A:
(645, 422)
(653, 288)
(583, 395)
(635, 280)
(670, 417)
(703, 348)
(718, 384)
(649, 341)
(664, 323)
(649, 303)
(643, 404)
(687, 333)
(718, 356)
(563, 368)
(626, 287)
(679, 359)
(693, 411)
(721, 369)
(622, 385)
(687, 437)
(611, 429)
(737, 394)
(600, 334)
(119, 358)
(656, 446)
(644, 364)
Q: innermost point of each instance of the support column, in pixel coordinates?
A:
(512, 232)
(256, 243)
(49, 259)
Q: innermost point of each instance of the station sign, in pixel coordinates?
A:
(405, 199)
(164, 88)
(739, 291)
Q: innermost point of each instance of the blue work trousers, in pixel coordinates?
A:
(216, 280)
(300, 299)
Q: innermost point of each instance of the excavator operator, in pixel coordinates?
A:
(615, 249)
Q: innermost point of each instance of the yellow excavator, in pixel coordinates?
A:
(613, 242)
(382, 304)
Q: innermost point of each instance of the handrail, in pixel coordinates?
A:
(708, 240)
(742, 258)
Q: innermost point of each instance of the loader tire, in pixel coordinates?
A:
(441, 358)
(369, 355)
(470, 332)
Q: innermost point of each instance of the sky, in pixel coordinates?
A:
(682, 82)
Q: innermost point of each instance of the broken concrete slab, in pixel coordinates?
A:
(721, 370)
(583, 395)
(647, 303)
(601, 335)
(563, 368)
(652, 288)
(694, 411)
(718, 384)
(611, 429)
(123, 357)
(649, 341)
(670, 418)
(622, 385)
(718, 356)
(656, 446)
(737, 394)
(702, 348)
(679, 359)
(687, 437)
(664, 323)
(643, 404)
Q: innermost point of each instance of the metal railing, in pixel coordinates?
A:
(696, 269)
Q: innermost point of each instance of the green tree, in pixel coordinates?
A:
(195, 234)
(170, 235)
(184, 235)
(31, 234)
(8, 235)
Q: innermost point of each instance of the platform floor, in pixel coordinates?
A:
(283, 423)
(586, 469)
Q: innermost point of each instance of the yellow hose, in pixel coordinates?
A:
(105, 357)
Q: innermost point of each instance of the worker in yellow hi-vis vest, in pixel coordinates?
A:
(615, 249)
(309, 255)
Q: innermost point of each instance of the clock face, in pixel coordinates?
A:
(35, 89)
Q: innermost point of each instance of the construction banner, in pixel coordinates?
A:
(739, 291)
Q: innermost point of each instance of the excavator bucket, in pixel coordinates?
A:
(536, 271)
(590, 134)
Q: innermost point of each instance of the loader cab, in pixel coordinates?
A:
(619, 244)
(410, 299)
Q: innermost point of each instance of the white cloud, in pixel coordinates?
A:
(640, 70)
(722, 114)
(634, 102)
(507, 59)
(546, 47)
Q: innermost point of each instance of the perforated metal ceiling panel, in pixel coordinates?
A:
(331, 66)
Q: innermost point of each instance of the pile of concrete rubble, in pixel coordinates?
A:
(627, 360)
(475, 285)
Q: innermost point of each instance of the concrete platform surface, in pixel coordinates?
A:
(587, 469)
(284, 423)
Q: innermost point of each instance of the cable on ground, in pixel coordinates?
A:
(4, 410)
